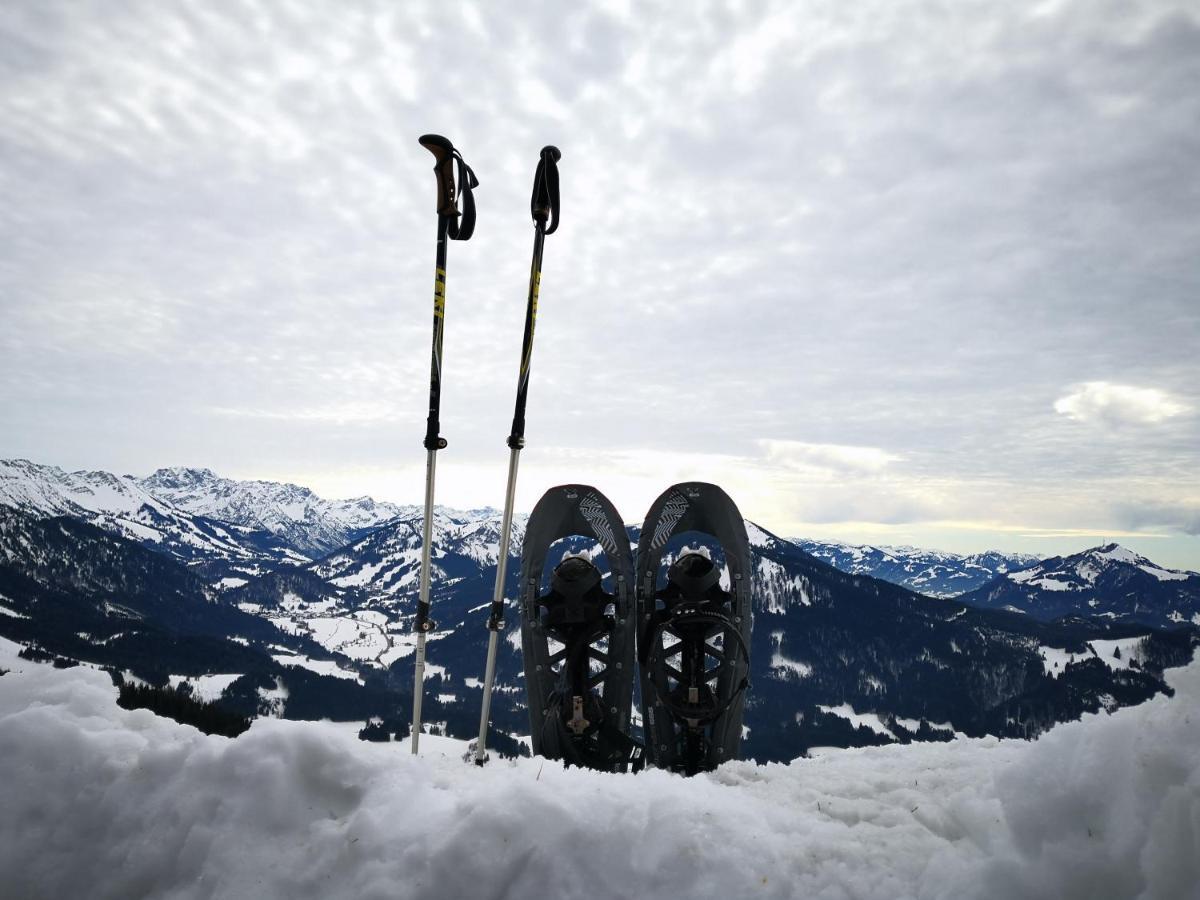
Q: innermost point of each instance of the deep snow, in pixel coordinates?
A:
(101, 802)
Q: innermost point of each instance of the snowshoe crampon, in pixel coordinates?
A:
(578, 636)
(693, 627)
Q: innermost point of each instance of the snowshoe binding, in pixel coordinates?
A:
(693, 628)
(578, 637)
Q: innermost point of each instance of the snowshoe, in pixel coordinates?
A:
(578, 637)
(693, 628)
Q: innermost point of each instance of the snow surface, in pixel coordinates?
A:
(10, 656)
(1055, 659)
(320, 666)
(205, 688)
(1118, 553)
(781, 666)
(863, 720)
(1164, 574)
(104, 803)
(1052, 584)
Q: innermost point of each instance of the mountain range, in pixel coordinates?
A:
(307, 523)
(1109, 582)
(934, 573)
(839, 658)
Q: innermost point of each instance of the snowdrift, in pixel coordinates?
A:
(100, 802)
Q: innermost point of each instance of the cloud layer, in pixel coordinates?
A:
(946, 236)
(1118, 404)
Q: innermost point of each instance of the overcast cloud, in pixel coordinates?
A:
(915, 272)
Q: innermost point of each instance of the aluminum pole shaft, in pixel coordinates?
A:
(426, 543)
(497, 599)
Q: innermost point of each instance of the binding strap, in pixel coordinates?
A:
(685, 615)
(461, 228)
(603, 746)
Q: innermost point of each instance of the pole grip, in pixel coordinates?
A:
(544, 202)
(443, 169)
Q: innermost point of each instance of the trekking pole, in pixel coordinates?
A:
(543, 206)
(452, 227)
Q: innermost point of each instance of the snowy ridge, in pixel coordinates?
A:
(119, 504)
(1084, 570)
(309, 523)
(1104, 807)
(1110, 581)
(934, 573)
(388, 560)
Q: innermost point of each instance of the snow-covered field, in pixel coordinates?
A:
(100, 802)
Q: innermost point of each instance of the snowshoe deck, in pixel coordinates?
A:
(693, 631)
(578, 637)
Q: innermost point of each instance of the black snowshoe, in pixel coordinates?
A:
(693, 632)
(578, 638)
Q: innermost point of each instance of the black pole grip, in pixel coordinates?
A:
(544, 203)
(443, 168)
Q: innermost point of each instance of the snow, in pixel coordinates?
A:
(773, 581)
(104, 802)
(205, 688)
(10, 658)
(320, 666)
(361, 639)
(756, 536)
(1051, 584)
(868, 720)
(1164, 574)
(273, 699)
(1129, 648)
(1117, 553)
(914, 725)
(781, 666)
(1055, 659)
(6, 611)
(231, 582)
(401, 645)
(362, 577)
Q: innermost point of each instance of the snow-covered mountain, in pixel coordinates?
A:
(75, 594)
(838, 658)
(311, 524)
(855, 659)
(120, 505)
(388, 560)
(931, 572)
(1109, 581)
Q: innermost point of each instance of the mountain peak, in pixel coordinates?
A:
(181, 476)
(310, 524)
(1115, 552)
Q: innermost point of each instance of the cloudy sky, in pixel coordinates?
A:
(901, 272)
